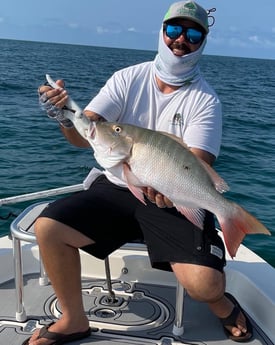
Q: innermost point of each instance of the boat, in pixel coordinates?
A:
(126, 300)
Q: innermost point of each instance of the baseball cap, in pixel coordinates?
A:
(188, 10)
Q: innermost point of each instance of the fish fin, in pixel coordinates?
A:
(220, 185)
(177, 139)
(133, 183)
(138, 193)
(238, 224)
(194, 215)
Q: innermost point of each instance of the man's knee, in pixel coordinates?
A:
(44, 227)
(49, 231)
(202, 283)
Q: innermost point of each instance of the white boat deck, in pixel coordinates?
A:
(144, 308)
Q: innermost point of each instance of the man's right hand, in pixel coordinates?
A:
(57, 97)
(52, 101)
(157, 198)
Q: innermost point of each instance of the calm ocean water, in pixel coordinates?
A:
(35, 156)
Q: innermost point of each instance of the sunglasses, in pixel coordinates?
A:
(192, 35)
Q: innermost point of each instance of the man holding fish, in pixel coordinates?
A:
(169, 95)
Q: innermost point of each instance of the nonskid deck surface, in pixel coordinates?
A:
(140, 314)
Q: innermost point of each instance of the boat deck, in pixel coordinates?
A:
(143, 309)
(140, 314)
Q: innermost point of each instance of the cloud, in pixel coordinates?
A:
(101, 30)
(237, 42)
(132, 30)
(2, 19)
(234, 37)
(266, 43)
(254, 39)
(73, 25)
(110, 28)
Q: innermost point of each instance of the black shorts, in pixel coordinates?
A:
(111, 216)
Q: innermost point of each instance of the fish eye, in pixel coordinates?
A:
(117, 129)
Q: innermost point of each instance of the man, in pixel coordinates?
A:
(167, 94)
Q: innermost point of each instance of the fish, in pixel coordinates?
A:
(149, 158)
(159, 160)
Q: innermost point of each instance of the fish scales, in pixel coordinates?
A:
(165, 165)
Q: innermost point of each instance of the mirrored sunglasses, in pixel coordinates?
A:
(192, 35)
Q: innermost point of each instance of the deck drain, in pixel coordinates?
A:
(108, 301)
(121, 286)
(105, 313)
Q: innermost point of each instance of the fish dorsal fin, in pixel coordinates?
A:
(177, 139)
(219, 183)
(195, 216)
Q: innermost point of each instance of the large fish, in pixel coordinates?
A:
(159, 160)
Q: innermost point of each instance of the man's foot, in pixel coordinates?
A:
(236, 326)
(58, 338)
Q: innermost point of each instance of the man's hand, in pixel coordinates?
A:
(57, 97)
(53, 101)
(157, 198)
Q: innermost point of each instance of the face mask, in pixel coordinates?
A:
(177, 70)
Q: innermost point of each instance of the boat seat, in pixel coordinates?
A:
(22, 229)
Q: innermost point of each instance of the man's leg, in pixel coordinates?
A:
(58, 246)
(208, 285)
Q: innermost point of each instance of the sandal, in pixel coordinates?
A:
(231, 321)
(59, 337)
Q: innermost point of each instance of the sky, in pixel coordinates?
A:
(242, 28)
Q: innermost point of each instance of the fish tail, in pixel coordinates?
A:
(236, 225)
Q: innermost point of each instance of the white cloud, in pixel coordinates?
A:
(254, 39)
(262, 42)
(101, 30)
(73, 25)
(132, 30)
(111, 29)
(236, 42)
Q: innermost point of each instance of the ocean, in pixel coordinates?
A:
(35, 156)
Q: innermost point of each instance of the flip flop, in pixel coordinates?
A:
(59, 337)
(231, 321)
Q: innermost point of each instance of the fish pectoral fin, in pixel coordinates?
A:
(133, 183)
(220, 185)
(195, 216)
(138, 193)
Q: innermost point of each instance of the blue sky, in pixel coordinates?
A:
(243, 28)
